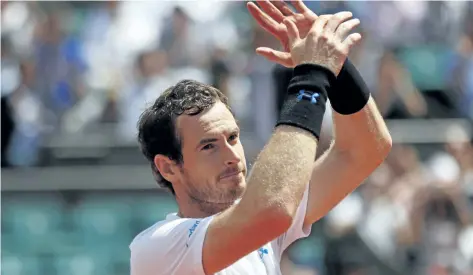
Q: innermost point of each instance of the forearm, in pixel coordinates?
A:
(363, 133)
(361, 143)
(282, 170)
(358, 125)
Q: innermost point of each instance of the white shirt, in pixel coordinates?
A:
(174, 247)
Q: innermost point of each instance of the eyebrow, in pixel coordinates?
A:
(205, 141)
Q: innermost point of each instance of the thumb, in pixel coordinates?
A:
(282, 58)
(292, 31)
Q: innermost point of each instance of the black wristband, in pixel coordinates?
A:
(304, 106)
(349, 94)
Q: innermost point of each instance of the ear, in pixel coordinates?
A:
(166, 167)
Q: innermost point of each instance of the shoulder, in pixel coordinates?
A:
(165, 231)
(175, 243)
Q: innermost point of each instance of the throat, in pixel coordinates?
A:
(202, 209)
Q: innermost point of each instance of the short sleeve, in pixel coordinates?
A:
(297, 229)
(172, 248)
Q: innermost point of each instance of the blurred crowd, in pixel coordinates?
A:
(414, 213)
(71, 66)
(68, 68)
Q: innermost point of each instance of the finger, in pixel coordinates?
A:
(283, 7)
(300, 6)
(292, 31)
(271, 10)
(263, 19)
(336, 20)
(282, 58)
(352, 40)
(320, 23)
(346, 27)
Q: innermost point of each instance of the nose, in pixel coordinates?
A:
(231, 156)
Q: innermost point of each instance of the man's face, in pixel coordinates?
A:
(214, 167)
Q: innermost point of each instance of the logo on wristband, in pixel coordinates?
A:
(308, 96)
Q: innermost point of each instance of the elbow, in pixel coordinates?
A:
(378, 149)
(282, 220)
(276, 219)
(384, 147)
(378, 154)
(374, 153)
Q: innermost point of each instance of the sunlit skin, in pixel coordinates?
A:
(212, 175)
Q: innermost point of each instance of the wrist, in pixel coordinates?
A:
(304, 106)
(313, 77)
(349, 94)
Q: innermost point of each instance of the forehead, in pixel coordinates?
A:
(217, 120)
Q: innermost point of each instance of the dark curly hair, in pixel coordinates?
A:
(157, 133)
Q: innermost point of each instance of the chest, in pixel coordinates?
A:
(260, 262)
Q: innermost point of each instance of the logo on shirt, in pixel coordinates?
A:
(262, 251)
(303, 94)
(191, 231)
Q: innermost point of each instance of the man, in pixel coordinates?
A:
(224, 225)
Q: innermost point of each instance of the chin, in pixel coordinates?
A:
(233, 187)
(236, 192)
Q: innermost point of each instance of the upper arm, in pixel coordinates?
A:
(237, 232)
(297, 230)
(335, 175)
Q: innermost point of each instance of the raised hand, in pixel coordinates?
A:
(325, 43)
(271, 16)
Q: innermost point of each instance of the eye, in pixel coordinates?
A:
(208, 146)
(233, 137)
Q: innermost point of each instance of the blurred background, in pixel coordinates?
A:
(75, 77)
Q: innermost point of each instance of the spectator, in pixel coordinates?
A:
(59, 57)
(177, 41)
(396, 95)
(151, 77)
(27, 113)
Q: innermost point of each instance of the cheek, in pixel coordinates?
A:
(204, 161)
(203, 168)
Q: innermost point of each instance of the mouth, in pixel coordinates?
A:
(231, 174)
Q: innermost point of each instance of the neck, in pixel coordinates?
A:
(197, 209)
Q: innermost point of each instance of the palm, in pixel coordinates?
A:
(271, 19)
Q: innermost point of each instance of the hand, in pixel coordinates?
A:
(271, 19)
(325, 43)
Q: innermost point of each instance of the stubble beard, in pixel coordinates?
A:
(211, 201)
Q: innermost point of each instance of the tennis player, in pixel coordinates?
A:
(231, 224)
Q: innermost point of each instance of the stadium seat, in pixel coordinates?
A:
(8, 242)
(102, 222)
(148, 209)
(14, 265)
(118, 257)
(30, 221)
(83, 264)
